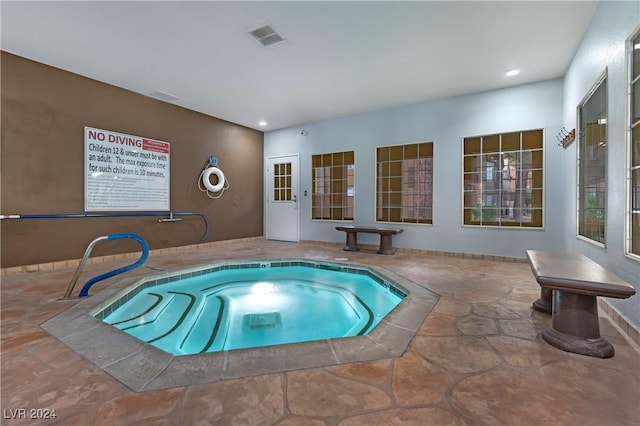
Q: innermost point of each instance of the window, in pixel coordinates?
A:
(503, 179)
(634, 148)
(333, 183)
(592, 190)
(404, 183)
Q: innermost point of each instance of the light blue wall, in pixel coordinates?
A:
(603, 48)
(445, 122)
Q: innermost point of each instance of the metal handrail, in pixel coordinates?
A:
(204, 237)
(85, 289)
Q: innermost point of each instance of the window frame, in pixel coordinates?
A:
(540, 191)
(580, 135)
(413, 182)
(346, 193)
(630, 125)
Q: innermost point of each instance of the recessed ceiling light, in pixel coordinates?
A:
(636, 46)
(512, 73)
(262, 123)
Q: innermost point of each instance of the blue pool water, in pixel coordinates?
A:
(251, 307)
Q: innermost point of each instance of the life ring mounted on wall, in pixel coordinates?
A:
(212, 168)
(206, 179)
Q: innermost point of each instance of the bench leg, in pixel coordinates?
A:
(352, 242)
(543, 304)
(386, 246)
(574, 326)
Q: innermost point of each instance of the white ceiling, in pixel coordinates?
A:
(339, 58)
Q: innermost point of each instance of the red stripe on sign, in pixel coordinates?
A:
(157, 146)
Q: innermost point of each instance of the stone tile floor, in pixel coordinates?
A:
(477, 359)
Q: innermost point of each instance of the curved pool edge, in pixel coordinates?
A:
(142, 367)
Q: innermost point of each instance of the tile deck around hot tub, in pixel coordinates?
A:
(141, 366)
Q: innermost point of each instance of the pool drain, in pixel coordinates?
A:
(269, 319)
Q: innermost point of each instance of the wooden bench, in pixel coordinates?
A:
(576, 282)
(386, 246)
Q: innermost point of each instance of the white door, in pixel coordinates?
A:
(282, 198)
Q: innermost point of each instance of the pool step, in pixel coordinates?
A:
(146, 305)
(165, 321)
(208, 327)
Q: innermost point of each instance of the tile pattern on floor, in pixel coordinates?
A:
(477, 359)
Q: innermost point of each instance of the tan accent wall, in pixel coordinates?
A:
(44, 111)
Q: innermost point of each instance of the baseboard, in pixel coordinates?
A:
(73, 263)
(460, 255)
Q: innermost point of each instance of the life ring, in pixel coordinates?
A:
(207, 183)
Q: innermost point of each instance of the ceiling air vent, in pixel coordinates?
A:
(266, 35)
